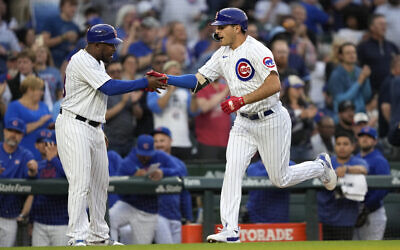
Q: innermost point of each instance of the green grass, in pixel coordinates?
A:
(304, 245)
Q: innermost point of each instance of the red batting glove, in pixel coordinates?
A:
(157, 74)
(232, 104)
(149, 90)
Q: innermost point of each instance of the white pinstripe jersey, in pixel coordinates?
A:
(245, 70)
(83, 76)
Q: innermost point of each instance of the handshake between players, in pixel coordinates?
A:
(231, 104)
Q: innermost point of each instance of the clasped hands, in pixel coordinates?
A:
(156, 81)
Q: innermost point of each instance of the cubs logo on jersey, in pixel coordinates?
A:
(269, 62)
(244, 69)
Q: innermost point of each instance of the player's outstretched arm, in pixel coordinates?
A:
(118, 87)
(190, 81)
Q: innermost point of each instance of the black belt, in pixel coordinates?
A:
(83, 119)
(255, 116)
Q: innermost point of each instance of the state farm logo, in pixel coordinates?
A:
(244, 69)
(269, 62)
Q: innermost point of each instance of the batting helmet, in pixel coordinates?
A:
(102, 33)
(231, 16)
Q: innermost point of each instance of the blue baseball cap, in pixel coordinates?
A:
(368, 131)
(51, 137)
(162, 130)
(43, 134)
(145, 145)
(15, 124)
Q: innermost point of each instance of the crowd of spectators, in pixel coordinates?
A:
(338, 62)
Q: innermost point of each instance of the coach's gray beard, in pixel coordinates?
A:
(11, 142)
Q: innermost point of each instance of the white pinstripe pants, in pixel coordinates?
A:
(83, 155)
(271, 136)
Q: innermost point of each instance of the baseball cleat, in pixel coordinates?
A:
(224, 236)
(77, 243)
(329, 179)
(105, 243)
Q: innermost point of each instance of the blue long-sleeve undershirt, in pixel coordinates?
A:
(188, 81)
(118, 87)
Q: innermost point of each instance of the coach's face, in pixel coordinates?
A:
(106, 51)
(12, 137)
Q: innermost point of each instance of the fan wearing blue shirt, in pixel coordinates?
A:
(373, 214)
(32, 111)
(49, 212)
(267, 206)
(15, 162)
(140, 211)
(172, 208)
(337, 214)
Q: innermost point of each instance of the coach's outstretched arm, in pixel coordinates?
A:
(117, 87)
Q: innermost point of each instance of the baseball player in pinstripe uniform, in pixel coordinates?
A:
(261, 124)
(80, 137)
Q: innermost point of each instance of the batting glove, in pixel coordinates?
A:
(157, 74)
(232, 104)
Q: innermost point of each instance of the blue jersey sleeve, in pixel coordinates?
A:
(127, 167)
(168, 165)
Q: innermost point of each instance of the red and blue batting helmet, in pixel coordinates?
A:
(231, 16)
(102, 33)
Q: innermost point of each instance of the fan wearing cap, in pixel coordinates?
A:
(302, 114)
(360, 121)
(49, 212)
(346, 118)
(15, 162)
(140, 211)
(172, 208)
(81, 144)
(372, 218)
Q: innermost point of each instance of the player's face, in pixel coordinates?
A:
(162, 142)
(366, 142)
(106, 52)
(12, 137)
(226, 34)
(343, 147)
